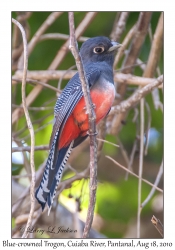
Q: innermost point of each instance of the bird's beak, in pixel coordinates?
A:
(115, 46)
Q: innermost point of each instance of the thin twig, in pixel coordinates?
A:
(132, 80)
(137, 64)
(38, 82)
(141, 64)
(21, 176)
(136, 97)
(92, 126)
(127, 170)
(38, 121)
(124, 152)
(119, 26)
(113, 144)
(155, 92)
(133, 53)
(158, 225)
(61, 78)
(37, 130)
(155, 52)
(148, 127)
(33, 108)
(24, 16)
(101, 135)
(131, 158)
(156, 49)
(125, 43)
(30, 126)
(159, 175)
(59, 36)
(156, 99)
(36, 148)
(141, 154)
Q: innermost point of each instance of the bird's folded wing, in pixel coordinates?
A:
(69, 98)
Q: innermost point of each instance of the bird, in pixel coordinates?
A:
(71, 123)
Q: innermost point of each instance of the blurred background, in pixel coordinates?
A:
(116, 211)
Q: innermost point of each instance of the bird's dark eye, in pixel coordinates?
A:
(98, 50)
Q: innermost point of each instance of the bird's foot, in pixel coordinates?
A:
(92, 133)
(93, 106)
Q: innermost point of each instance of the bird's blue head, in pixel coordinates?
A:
(98, 49)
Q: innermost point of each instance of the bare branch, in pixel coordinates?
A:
(141, 31)
(38, 121)
(92, 126)
(30, 127)
(59, 36)
(21, 176)
(34, 108)
(123, 151)
(67, 74)
(37, 130)
(158, 225)
(119, 26)
(147, 129)
(136, 97)
(36, 148)
(38, 82)
(113, 144)
(131, 158)
(61, 78)
(159, 175)
(127, 170)
(141, 156)
(155, 49)
(125, 43)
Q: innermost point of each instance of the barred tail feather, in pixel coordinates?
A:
(56, 162)
(61, 162)
(48, 175)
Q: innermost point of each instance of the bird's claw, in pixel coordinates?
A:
(93, 106)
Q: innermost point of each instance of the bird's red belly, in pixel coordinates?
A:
(77, 124)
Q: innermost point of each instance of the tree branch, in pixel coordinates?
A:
(119, 26)
(132, 55)
(92, 126)
(30, 127)
(141, 156)
(121, 78)
(36, 148)
(136, 97)
(132, 173)
(158, 225)
(159, 175)
(155, 49)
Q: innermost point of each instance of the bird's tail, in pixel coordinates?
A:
(56, 162)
